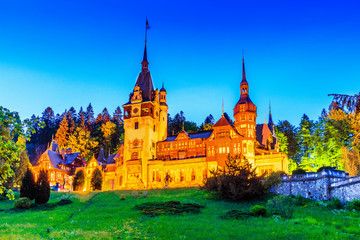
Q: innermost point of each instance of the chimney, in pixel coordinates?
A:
(68, 151)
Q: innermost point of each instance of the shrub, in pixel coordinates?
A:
(236, 214)
(170, 207)
(27, 188)
(122, 197)
(258, 210)
(96, 180)
(79, 181)
(23, 202)
(237, 181)
(42, 188)
(298, 171)
(335, 203)
(273, 180)
(300, 200)
(282, 205)
(327, 167)
(353, 205)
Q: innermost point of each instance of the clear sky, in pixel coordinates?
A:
(71, 53)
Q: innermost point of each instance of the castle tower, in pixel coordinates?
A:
(245, 117)
(145, 124)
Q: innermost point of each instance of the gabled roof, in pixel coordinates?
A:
(55, 158)
(101, 157)
(69, 158)
(182, 134)
(222, 122)
(204, 134)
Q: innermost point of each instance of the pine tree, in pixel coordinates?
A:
(105, 115)
(117, 117)
(42, 188)
(28, 186)
(96, 180)
(89, 116)
(62, 134)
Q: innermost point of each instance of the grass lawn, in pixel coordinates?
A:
(103, 215)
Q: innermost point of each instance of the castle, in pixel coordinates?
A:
(149, 158)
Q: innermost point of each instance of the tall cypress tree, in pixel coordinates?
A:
(27, 188)
(42, 188)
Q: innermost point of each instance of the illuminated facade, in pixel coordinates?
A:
(151, 159)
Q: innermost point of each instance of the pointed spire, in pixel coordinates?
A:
(222, 107)
(243, 65)
(145, 62)
(265, 116)
(270, 117)
(145, 54)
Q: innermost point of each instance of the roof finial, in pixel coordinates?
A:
(145, 62)
(222, 107)
(183, 126)
(265, 116)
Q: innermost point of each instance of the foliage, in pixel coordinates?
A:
(335, 203)
(178, 123)
(326, 168)
(236, 214)
(298, 171)
(80, 141)
(23, 202)
(300, 200)
(79, 180)
(96, 179)
(292, 144)
(28, 186)
(351, 160)
(353, 205)
(237, 181)
(273, 180)
(170, 207)
(62, 134)
(12, 144)
(258, 210)
(42, 188)
(282, 205)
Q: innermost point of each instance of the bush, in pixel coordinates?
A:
(96, 180)
(24, 203)
(298, 171)
(353, 205)
(237, 181)
(42, 188)
(28, 186)
(79, 180)
(122, 197)
(326, 168)
(258, 210)
(300, 200)
(335, 203)
(282, 205)
(273, 180)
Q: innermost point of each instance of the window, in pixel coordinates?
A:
(154, 128)
(136, 125)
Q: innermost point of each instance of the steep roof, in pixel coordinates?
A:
(144, 81)
(222, 122)
(55, 158)
(191, 135)
(69, 158)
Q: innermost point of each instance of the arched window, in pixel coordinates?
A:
(134, 155)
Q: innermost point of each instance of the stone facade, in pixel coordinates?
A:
(324, 185)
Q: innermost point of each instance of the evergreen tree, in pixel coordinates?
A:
(62, 134)
(117, 117)
(108, 129)
(79, 180)
(42, 188)
(28, 186)
(96, 180)
(105, 115)
(89, 116)
(71, 117)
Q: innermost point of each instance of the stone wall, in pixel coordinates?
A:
(324, 185)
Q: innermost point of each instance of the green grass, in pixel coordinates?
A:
(102, 215)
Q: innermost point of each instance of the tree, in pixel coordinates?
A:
(96, 180)
(62, 134)
(19, 171)
(79, 180)
(28, 186)
(12, 144)
(107, 128)
(80, 141)
(117, 117)
(89, 116)
(42, 188)
(105, 115)
(237, 181)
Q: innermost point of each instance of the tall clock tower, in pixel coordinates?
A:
(145, 124)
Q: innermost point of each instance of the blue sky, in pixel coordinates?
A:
(71, 53)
